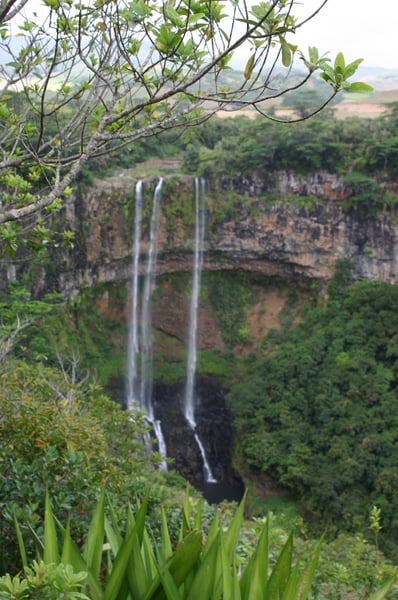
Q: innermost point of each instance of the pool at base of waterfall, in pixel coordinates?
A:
(221, 490)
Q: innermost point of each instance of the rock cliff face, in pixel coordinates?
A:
(292, 227)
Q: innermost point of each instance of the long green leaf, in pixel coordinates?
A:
(166, 548)
(148, 557)
(137, 576)
(258, 581)
(51, 552)
(281, 571)
(114, 538)
(230, 582)
(205, 583)
(307, 576)
(21, 544)
(253, 581)
(383, 591)
(129, 546)
(171, 591)
(92, 553)
(231, 536)
(71, 556)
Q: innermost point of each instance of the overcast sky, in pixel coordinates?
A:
(365, 29)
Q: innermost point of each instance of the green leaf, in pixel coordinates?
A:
(281, 571)
(249, 67)
(253, 579)
(339, 62)
(95, 538)
(71, 556)
(360, 88)
(205, 582)
(352, 67)
(51, 553)
(231, 536)
(383, 591)
(21, 544)
(166, 549)
(180, 566)
(286, 52)
(130, 545)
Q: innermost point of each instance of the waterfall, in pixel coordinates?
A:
(133, 347)
(189, 401)
(139, 390)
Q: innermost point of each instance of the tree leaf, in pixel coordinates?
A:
(360, 88)
(249, 67)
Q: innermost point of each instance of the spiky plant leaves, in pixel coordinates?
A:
(180, 565)
(206, 578)
(71, 556)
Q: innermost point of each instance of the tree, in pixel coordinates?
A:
(83, 79)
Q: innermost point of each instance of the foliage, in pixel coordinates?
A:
(50, 329)
(19, 311)
(84, 81)
(44, 582)
(67, 448)
(366, 195)
(318, 411)
(230, 298)
(130, 565)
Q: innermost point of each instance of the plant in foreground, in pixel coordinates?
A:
(132, 566)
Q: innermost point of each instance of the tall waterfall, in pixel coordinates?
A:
(189, 401)
(133, 346)
(139, 389)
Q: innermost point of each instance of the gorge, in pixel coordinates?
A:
(267, 239)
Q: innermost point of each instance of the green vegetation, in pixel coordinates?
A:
(230, 297)
(318, 411)
(130, 566)
(60, 436)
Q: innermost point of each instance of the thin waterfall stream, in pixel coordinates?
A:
(139, 389)
(189, 400)
(133, 345)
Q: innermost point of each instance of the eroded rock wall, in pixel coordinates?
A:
(292, 226)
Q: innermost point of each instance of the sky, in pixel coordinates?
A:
(365, 29)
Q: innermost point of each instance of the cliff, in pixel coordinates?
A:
(291, 226)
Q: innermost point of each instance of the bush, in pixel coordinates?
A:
(68, 449)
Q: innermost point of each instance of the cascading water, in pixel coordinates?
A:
(139, 390)
(189, 401)
(133, 346)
